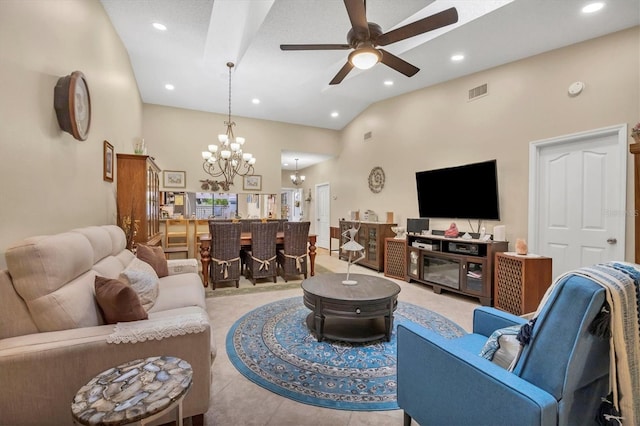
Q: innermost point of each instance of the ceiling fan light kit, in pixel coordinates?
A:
(365, 57)
(364, 37)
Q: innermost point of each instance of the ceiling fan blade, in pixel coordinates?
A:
(342, 73)
(433, 22)
(314, 47)
(398, 64)
(358, 17)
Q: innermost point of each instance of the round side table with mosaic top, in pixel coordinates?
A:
(136, 392)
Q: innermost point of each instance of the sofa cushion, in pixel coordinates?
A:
(177, 291)
(99, 239)
(118, 301)
(14, 314)
(143, 279)
(41, 265)
(109, 267)
(502, 347)
(125, 257)
(71, 306)
(154, 256)
(118, 239)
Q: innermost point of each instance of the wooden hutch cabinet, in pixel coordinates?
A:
(371, 236)
(139, 195)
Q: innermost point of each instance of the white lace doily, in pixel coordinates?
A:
(160, 328)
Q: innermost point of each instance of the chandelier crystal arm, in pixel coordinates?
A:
(226, 159)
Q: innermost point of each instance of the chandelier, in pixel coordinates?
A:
(226, 160)
(296, 178)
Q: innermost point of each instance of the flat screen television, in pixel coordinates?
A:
(469, 191)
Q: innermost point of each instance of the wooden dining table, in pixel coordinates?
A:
(245, 240)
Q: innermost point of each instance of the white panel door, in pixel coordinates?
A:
(578, 212)
(323, 215)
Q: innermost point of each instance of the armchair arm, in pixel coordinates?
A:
(182, 266)
(486, 320)
(439, 382)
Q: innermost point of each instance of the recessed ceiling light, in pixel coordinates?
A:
(255, 101)
(593, 7)
(285, 164)
(457, 57)
(159, 26)
(169, 86)
(334, 114)
(388, 83)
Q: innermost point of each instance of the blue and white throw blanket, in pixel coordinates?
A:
(621, 281)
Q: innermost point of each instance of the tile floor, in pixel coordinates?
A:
(237, 401)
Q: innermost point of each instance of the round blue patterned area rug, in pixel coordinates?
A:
(273, 347)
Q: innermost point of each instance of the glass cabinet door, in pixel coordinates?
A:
(414, 270)
(474, 277)
(372, 244)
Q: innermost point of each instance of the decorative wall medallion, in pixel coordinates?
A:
(376, 180)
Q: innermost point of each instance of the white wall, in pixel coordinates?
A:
(50, 181)
(437, 127)
(176, 138)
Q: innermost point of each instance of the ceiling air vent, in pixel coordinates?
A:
(477, 92)
(368, 135)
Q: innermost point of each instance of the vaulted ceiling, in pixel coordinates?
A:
(201, 36)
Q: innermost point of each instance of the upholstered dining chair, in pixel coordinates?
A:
(292, 259)
(260, 258)
(225, 252)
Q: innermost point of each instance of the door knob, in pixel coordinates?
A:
(611, 241)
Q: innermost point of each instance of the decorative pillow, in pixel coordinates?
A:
(502, 347)
(154, 256)
(118, 301)
(143, 279)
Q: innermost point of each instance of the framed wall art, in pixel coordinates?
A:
(252, 183)
(107, 162)
(174, 179)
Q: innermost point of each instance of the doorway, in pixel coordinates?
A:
(323, 214)
(291, 205)
(577, 198)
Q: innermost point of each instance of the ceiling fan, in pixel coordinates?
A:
(364, 37)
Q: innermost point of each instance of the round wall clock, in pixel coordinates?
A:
(72, 103)
(376, 180)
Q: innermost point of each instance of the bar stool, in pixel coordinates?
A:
(176, 236)
(200, 227)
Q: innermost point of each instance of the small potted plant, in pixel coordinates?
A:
(635, 133)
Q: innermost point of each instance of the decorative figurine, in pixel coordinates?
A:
(352, 246)
(452, 232)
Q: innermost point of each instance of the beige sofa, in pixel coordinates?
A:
(53, 338)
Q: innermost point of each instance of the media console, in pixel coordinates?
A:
(453, 264)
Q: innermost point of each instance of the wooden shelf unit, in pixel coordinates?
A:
(520, 281)
(371, 236)
(453, 264)
(139, 195)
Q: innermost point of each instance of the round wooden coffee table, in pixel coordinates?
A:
(352, 313)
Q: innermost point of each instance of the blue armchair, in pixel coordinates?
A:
(559, 379)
